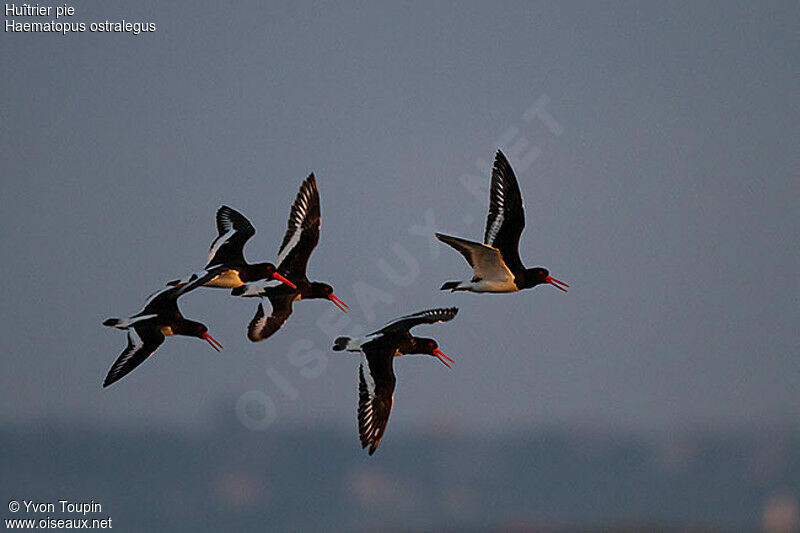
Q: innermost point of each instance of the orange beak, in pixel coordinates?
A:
(284, 280)
(340, 304)
(441, 356)
(212, 341)
(552, 281)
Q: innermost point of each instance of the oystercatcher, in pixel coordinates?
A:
(376, 384)
(227, 250)
(159, 317)
(302, 235)
(495, 263)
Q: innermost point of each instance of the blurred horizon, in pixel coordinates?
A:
(317, 478)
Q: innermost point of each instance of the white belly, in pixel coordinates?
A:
(227, 280)
(488, 285)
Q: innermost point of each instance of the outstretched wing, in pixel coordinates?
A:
(142, 342)
(197, 279)
(259, 288)
(429, 316)
(506, 218)
(233, 230)
(166, 300)
(486, 261)
(376, 383)
(302, 231)
(262, 327)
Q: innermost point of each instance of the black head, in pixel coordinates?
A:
(425, 345)
(323, 290)
(264, 270)
(428, 346)
(196, 329)
(268, 271)
(538, 276)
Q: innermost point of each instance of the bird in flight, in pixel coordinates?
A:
(302, 236)
(227, 250)
(376, 378)
(160, 317)
(496, 264)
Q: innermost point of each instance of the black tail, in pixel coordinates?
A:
(340, 343)
(111, 322)
(450, 285)
(237, 291)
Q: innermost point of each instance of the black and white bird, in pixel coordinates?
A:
(376, 378)
(496, 264)
(227, 250)
(302, 236)
(160, 317)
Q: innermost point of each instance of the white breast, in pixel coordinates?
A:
(490, 285)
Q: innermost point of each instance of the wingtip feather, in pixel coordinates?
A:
(500, 157)
(110, 379)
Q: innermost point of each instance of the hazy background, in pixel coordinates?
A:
(664, 188)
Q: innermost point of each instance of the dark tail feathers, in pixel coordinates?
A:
(449, 285)
(340, 344)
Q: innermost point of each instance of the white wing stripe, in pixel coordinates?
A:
(497, 223)
(259, 287)
(296, 218)
(218, 242)
(500, 203)
(369, 380)
(291, 244)
(136, 345)
(440, 315)
(225, 219)
(258, 326)
(139, 319)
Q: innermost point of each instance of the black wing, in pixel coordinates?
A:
(233, 230)
(165, 301)
(262, 327)
(429, 316)
(142, 342)
(506, 218)
(375, 393)
(197, 279)
(302, 231)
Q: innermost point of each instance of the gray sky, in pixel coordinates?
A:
(669, 201)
